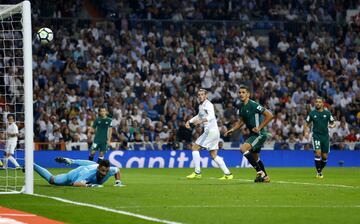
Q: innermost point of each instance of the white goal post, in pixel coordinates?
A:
(16, 68)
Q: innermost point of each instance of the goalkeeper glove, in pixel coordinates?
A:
(94, 185)
(118, 183)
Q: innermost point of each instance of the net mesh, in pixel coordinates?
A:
(11, 94)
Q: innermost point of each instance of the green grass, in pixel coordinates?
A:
(166, 194)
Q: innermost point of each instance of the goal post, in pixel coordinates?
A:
(16, 89)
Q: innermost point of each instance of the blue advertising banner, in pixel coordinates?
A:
(183, 158)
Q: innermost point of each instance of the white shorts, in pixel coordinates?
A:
(10, 147)
(209, 140)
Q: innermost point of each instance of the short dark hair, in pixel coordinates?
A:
(10, 115)
(102, 107)
(244, 87)
(105, 163)
(319, 98)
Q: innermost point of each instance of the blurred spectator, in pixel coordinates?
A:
(147, 75)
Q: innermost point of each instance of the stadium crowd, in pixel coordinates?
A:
(147, 76)
(292, 10)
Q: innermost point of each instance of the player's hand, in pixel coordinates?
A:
(228, 132)
(306, 134)
(256, 130)
(118, 184)
(197, 122)
(332, 125)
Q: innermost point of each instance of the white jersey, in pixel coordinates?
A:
(206, 110)
(211, 136)
(12, 129)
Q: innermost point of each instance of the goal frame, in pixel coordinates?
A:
(24, 8)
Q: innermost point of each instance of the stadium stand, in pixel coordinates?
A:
(146, 62)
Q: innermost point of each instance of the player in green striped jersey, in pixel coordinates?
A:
(103, 132)
(255, 117)
(321, 119)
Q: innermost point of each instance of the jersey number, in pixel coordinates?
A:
(317, 144)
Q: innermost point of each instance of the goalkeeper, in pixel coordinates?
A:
(88, 174)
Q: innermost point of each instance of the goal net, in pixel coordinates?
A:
(16, 150)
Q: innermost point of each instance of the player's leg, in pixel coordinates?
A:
(245, 150)
(221, 163)
(256, 144)
(324, 158)
(61, 180)
(6, 159)
(258, 178)
(93, 148)
(10, 150)
(78, 162)
(102, 150)
(325, 149)
(44, 173)
(196, 158)
(317, 155)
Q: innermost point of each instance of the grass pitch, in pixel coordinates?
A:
(293, 196)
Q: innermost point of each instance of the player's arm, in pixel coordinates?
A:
(79, 184)
(117, 178)
(268, 116)
(12, 134)
(307, 126)
(109, 135)
(190, 122)
(84, 183)
(94, 125)
(331, 121)
(237, 125)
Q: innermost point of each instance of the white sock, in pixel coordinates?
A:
(5, 162)
(222, 165)
(196, 158)
(13, 160)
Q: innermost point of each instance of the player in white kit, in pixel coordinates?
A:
(12, 133)
(209, 139)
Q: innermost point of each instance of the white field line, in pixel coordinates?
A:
(242, 206)
(108, 209)
(18, 215)
(301, 183)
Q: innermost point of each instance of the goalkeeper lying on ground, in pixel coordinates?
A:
(88, 174)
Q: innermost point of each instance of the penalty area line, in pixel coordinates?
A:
(107, 209)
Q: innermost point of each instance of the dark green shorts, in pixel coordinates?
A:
(99, 146)
(256, 141)
(321, 142)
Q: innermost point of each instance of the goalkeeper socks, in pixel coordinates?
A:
(91, 157)
(318, 164)
(43, 172)
(323, 163)
(196, 158)
(261, 164)
(100, 159)
(220, 162)
(13, 160)
(250, 157)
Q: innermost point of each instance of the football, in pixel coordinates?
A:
(45, 35)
